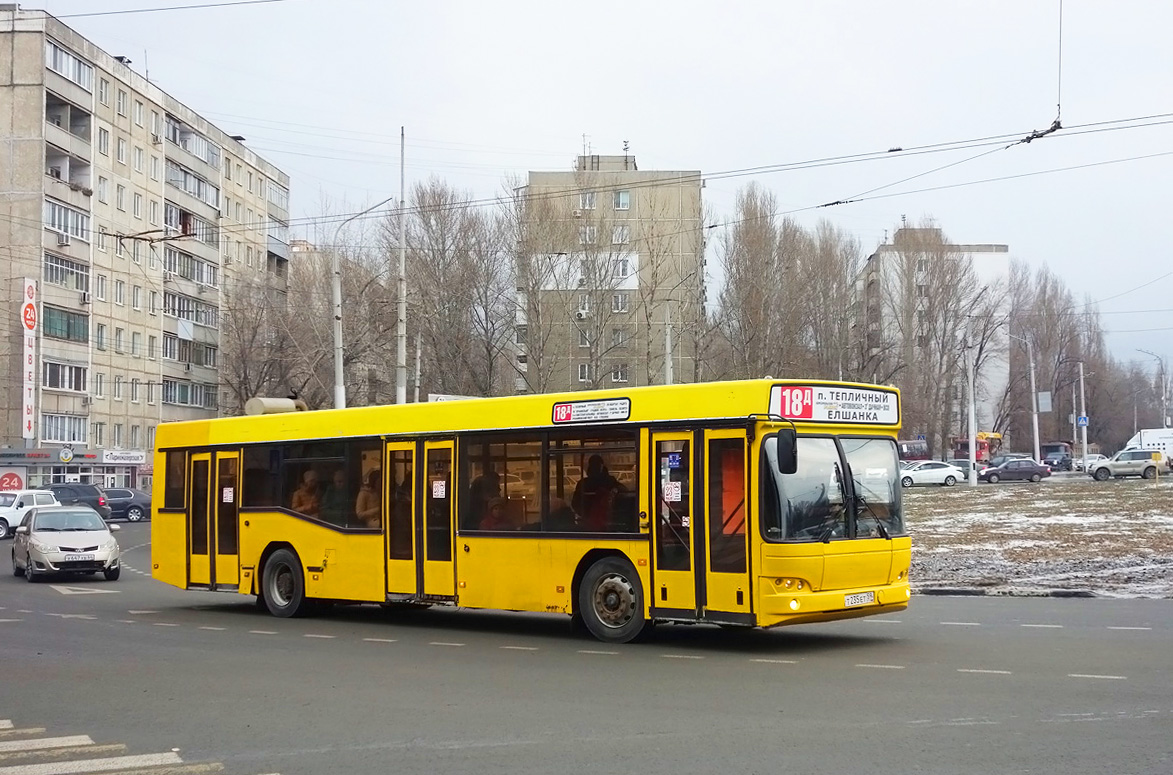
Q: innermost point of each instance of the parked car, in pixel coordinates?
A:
(14, 504)
(1128, 462)
(1058, 461)
(963, 464)
(930, 472)
(127, 503)
(75, 493)
(1092, 460)
(64, 539)
(1018, 469)
(998, 460)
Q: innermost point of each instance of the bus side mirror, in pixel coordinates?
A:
(787, 451)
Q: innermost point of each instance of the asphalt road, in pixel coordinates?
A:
(953, 685)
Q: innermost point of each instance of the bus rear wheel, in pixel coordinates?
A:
(284, 585)
(611, 601)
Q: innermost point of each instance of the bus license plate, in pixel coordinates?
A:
(859, 598)
(78, 557)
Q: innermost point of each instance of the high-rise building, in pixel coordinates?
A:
(124, 215)
(612, 286)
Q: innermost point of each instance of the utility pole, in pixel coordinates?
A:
(1034, 396)
(1083, 413)
(667, 344)
(972, 418)
(1164, 387)
(401, 285)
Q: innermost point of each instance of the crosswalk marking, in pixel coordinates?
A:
(5, 723)
(45, 742)
(10, 734)
(62, 753)
(63, 589)
(94, 765)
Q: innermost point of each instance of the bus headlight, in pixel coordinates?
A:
(790, 583)
(793, 605)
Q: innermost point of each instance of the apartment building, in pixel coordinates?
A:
(613, 293)
(123, 216)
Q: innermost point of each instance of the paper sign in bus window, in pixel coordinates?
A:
(229, 494)
(439, 489)
(672, 492)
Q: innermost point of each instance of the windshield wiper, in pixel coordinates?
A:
(860, 501)
(49, 530)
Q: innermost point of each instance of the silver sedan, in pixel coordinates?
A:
(64, 539)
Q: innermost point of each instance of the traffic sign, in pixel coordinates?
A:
(1081, 421)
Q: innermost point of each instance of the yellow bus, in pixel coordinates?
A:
(753, 503)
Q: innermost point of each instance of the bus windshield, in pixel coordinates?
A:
(812, 503)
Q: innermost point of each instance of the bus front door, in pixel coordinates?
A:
(674, 585)
(213, 526)
(726, 593)
(400, 496)
(433, 523)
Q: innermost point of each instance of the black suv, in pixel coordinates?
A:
(125, 503)
(85, 494)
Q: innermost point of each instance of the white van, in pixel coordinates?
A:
(14, 503)
(1154, 440)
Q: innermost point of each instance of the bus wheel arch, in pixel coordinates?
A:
(608, 596)
(282, 585)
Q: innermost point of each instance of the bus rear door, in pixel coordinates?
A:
(401, 498)
(212, 518)
(434, 522)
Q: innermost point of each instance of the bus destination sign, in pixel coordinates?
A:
(835, 403)
(592, 411)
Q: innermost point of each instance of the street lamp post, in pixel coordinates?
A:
(1083, 414)
(1034, 396)
(969, 368)
(1164, 386)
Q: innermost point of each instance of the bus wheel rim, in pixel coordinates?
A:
(282, 586)
(614, 601)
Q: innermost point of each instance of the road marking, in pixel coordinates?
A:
(777, 661)
(83, 590)
(520, 648)
(164, 624)
(216, 629)
(94, 765)
(45, 742)
(26, 732)
(62, 753)
(884, 667)
(985, 672)
(140, 613)
(23, 611)
(883, 621)
(1106, 677)
(261, 632)
(1045, 626)
(314, 635)
(444, 643)
(10, 620)
(592, 651)
(380, 640)
(5, 723)
(1130, 628)
(73, 616)
(681, 656)
(962, 624)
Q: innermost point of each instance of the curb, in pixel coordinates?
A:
(981, 592)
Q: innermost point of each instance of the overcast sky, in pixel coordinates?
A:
(490, 89)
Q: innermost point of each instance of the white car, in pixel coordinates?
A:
(1092, 460)
(930, 472)
(15, 503)
(65, 539)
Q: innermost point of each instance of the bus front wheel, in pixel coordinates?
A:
(611, 601)
(284, 585)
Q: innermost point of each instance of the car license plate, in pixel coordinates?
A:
(859, 598)
(78, 557)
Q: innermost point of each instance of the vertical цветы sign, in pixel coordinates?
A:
(28, 358)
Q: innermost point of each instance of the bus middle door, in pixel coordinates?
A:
(674, 584)
(213, 526)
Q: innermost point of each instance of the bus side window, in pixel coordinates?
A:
(174, 492)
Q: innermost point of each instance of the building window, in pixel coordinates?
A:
(586, 200)
(151, 400)
(138, 206)
(66, 64)
(120, 198)
(519, 334)
(136, 297)
(104, 91)
(117, 387)
(103, 190)
(588, 235)
(135, 384)
(618, 337)
(119, 341)
(119, 246)
(583, 339)
(922, 291)
(100, 342)
(152, 347)
(134, 436)
(138, 112)
(622, 200)
(153, 302)
(104, 141)
(59, 376)
(121, 155)
(619, 302)
(154, 168)
(116, 441)
(154, 207)
(922, 340)
(138, 159)
(620, 268)
(186, 180)
(120, 104)
(584, 302)
(100, 287)
(621, 235)
(66, 273)
(63, 324)
(119, 292)
(66, 220)
(64, 428)
(584, 372)
(150, 437)
(136, 343)
(99, 385)
(98, 431)
(619, 372)
(102, 238)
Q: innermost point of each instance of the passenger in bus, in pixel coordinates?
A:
(336, 499)
(307, 498)
(483, 489)
(368, 505)
(495, 517)
(594, 495)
